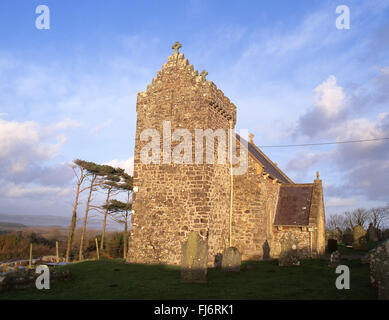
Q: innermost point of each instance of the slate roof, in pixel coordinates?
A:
(269, 166)
(294, 203)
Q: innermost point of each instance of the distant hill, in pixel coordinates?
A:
(6, 227)
(19, 221)
(12, 225)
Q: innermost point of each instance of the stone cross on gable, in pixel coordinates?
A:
(176, 46)
(203, 74)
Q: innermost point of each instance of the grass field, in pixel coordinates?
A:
(114, 279)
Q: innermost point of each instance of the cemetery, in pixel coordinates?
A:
(288, 277)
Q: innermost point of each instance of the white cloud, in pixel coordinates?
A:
(64, 124)
(18, 191)
(24, 143)
(97, 129)
(361, 166)
(21, 142)
(341, 202)
(359, 129)
(3, 114)
(127, 165)
(329, 97)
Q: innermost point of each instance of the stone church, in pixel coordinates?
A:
(253, 211)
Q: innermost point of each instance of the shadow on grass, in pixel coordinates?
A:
(114, 279)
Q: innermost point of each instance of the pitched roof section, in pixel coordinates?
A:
(294, 205)
(269, 166)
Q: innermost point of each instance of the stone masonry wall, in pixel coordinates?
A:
(317, 218)
(174, 199)
(255, 199)
(301, 234)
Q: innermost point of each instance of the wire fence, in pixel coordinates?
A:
(12, 248)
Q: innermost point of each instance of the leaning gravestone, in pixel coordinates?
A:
(379, 269)
(359, 234)
(289, 254)
(335, 259)
(332, 245)
(372, 233)
(231, 260)
(194, 256)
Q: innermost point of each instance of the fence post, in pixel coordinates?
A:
(57, 250)
(97, 249)
(30, 261)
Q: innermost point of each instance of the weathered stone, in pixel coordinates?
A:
(372, 233)
(231, 260)
(359, 234)
(218, 260)
(379, 269)
(194, 259)
(335, 259)
(266, 250)
(289, 253)
(332, 245)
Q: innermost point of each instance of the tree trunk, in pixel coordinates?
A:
(125, 238)
(105, 220)
(73, 223)
(80, 256)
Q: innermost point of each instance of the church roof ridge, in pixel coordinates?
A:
(269, 166)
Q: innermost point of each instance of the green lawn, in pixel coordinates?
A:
(114, 279)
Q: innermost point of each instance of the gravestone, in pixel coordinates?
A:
(289, 254)
(194, 256)
(379, 269)
(372, 233)
(232, 259)
(359, 234)
(266, 250)
(348, 237)
(218, 260)
(335, 259)
(332, 245)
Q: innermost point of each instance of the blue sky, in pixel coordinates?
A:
(70, 91)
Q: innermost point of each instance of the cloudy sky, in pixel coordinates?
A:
(70, 91)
